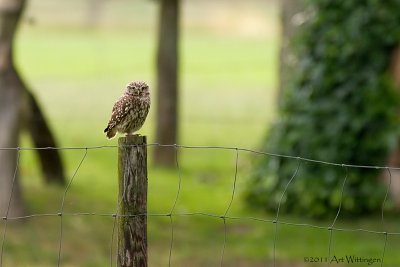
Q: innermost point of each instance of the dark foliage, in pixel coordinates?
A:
(341, 106)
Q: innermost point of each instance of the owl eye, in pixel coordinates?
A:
(143, 88)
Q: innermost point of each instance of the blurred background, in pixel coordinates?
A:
(85, 60)
(314, 80)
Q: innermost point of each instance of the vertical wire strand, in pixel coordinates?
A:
(229, 206)
(112, 236)
(172, 240)
(9, 205)
(279, 206)
(173, 206)
(383, 222)
(385, 198)
(62, 207)
(224, 245)
(337, 215)
(384, 248)
(115, 215)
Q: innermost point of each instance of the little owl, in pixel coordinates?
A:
(130, 110)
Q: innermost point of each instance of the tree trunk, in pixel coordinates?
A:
(394, 157)
(41, 135)
(94, 12)
(34, 120)
(291, 13)
(10, 110)
(167, 74)
(18, 108)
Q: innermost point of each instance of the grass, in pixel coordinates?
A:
(228, 76)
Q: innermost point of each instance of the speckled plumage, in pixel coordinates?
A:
(130, 110)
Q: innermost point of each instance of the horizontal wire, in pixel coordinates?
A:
(211, 147)
(201, 214)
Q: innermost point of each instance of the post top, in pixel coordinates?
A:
(132, 140)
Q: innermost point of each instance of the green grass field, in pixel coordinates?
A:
(229, 57)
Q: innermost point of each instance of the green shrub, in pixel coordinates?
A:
(341, 106)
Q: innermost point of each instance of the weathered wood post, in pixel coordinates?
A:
(132, 199)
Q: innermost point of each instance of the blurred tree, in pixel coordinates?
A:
(393, 178)
(18, 108)
(167, 81)
(340, 105)
(94, 13)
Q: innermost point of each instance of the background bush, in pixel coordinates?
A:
(340, 106)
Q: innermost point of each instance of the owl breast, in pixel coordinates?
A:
(136, 116)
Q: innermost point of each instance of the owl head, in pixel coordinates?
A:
(138, 89)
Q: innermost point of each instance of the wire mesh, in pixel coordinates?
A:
(224, 217)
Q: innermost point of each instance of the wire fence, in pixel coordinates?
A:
(223, 217)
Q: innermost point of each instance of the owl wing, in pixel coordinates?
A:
(121, 108)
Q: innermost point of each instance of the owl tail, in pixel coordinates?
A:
(110, 132)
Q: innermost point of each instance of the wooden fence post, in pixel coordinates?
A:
(132, 199)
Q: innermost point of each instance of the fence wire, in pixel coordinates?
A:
(224, 217)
